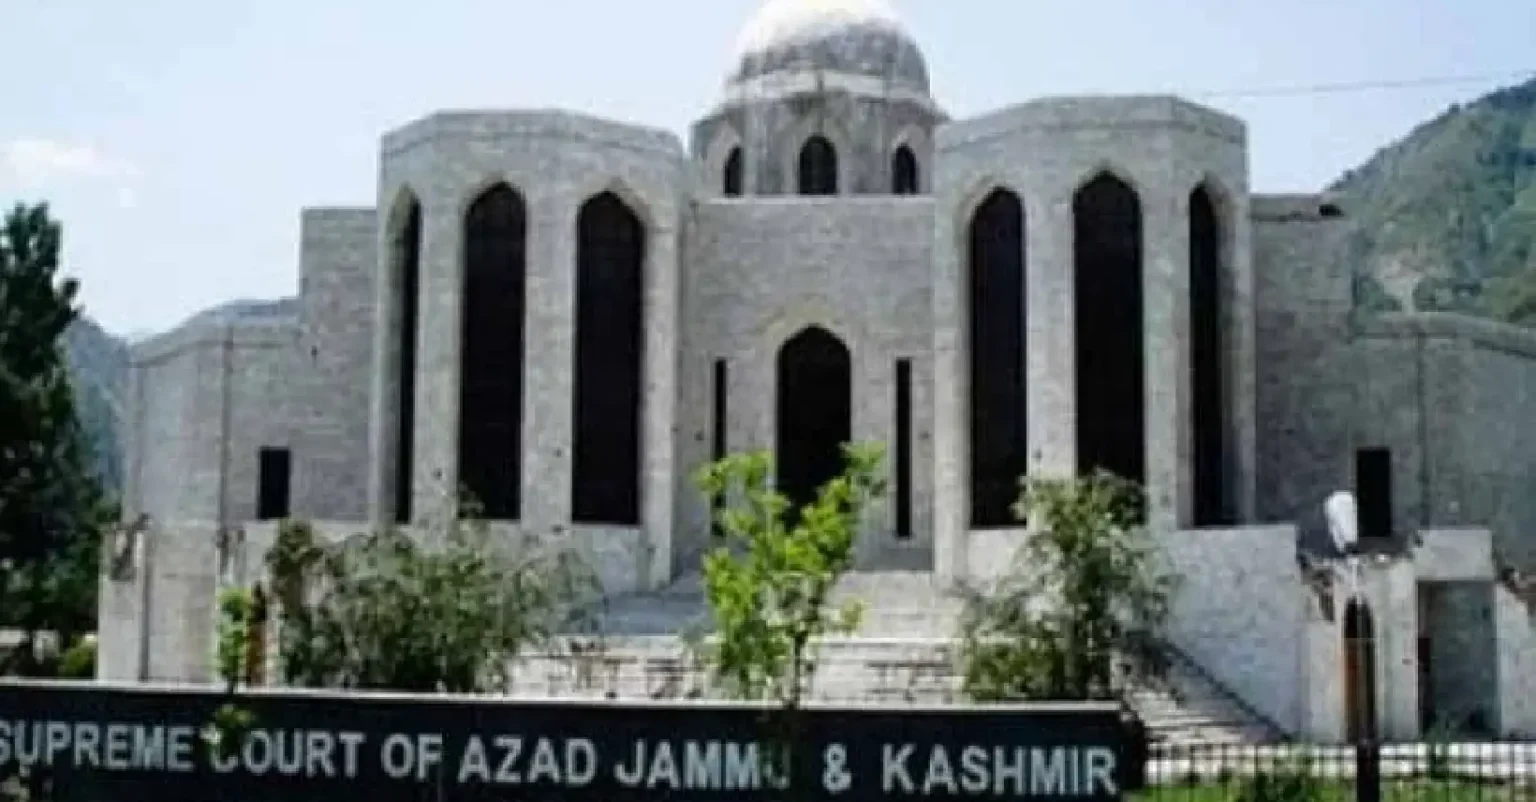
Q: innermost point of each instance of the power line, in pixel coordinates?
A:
(1300, 90)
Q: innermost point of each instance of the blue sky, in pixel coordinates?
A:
(177, 139)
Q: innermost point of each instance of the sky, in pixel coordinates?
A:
(178, 139)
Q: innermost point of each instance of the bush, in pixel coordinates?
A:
(79, 660)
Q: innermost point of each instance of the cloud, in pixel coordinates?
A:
(39, 162)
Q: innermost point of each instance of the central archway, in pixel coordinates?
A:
(814, 412)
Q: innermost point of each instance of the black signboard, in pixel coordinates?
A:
(122, 744)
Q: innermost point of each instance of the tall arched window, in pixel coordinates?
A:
(997, 371)
(733, 174)
(406, 243)
(1207, 363)
(1107, 289)
(904, 171)
(818, 167)
(610, 352)
(491, 350)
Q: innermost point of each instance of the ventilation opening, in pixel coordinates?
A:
(273, 470)
(903, 448)
(1373, 491)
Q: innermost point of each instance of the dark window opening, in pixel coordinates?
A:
(904, 172)
(491, 378)
(1107, 311)
(720, 420)
(818, 167)
(733, 173)
(273, 484)
(903, 449)
(997, 372)
(814, 414)
(1373, 491)
(1213, 504)
(408, 257)
(610, 347)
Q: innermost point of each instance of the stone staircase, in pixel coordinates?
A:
(902, 654)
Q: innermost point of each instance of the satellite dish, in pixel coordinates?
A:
(1343, 521)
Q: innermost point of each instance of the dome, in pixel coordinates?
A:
(853, 37)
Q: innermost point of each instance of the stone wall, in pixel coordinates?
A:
(1301, 318)
(1241, 614)
(331, 380)
(1451, 397)
(759, 272)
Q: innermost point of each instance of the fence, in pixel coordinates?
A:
(1399, 772)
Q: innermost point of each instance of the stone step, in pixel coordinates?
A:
(907, 670)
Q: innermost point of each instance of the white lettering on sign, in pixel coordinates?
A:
(998, 771)
(697, 765)
(505, 761)
(293, 753)
(114, 746)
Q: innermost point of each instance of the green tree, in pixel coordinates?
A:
(769, 581)
(1083, 592)
(444, 612)
(52, 507)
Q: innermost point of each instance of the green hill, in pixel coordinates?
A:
(1445, 219)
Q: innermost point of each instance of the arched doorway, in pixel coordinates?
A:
(1359, 671)
(814, 412)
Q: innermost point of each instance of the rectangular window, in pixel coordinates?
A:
(903, 456)
(1373, 491)
(719, 420)
(274, 467)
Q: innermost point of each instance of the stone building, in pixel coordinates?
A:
(566, 315)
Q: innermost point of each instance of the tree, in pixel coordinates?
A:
(1083, 591)
(447, 612)
(52, 507)
(769, 580)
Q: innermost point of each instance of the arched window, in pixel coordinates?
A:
(491, 350)
(904, 171)
(997, 371)
(1207, 363)
(610, 353)
(733, 174)
(1107, 289)
(406, 284)
(818, 167)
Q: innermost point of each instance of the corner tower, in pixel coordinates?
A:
(823, 97)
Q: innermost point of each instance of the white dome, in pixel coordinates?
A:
(786, 22)
(857, 37)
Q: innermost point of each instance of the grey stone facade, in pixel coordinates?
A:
(731, 279)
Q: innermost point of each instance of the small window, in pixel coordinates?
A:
(1373, 492)
(732, 178)
(818, 167)
(273, 471)
(720, 423)
(904, 171)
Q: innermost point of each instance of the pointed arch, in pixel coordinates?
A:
(1209, 384)
(491, 351)
(998, 437)
(1108, 322)
(905, 179)
(610, 357)
(818, 166)
(405, 284)
(814, 412)
(732, 177)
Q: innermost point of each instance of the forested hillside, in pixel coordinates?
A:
(1445, 218)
